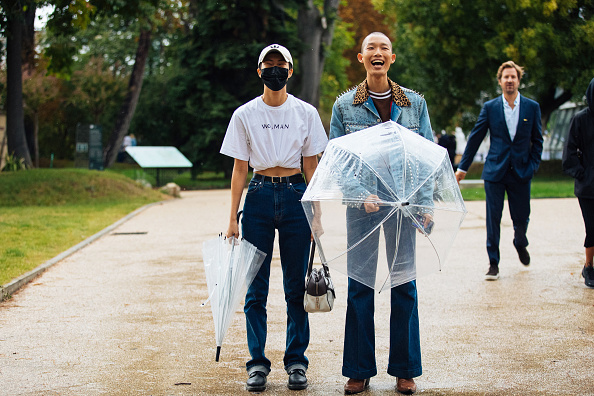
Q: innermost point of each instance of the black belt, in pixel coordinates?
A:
(298, 178)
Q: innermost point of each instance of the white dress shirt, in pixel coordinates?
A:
(512, 116)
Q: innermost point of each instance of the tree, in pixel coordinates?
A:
(13, 24)
(128, 107)
(215, 73)
(38, 89)
(362, 18)
(451, 50)
(315, 29)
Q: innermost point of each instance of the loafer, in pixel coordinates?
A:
(256, 382)
(406, 386)
(355, 386)
(523, 254)
(297, 379)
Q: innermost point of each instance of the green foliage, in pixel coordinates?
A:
(450, 51)
(189, 105)
(335, 79)
(13, 163)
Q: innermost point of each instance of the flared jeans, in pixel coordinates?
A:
(404, 359)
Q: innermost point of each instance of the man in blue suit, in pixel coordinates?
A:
(514, 155)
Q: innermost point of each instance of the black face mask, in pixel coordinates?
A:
(275, 77)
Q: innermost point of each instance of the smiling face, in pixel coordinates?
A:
(509, 81)
(376, 55)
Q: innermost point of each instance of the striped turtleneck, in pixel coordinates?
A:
(382, 102)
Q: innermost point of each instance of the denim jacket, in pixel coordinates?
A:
(354, 110)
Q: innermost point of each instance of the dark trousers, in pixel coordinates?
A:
(518, 197)
(587, 206)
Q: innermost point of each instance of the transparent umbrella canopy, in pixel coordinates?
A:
(230, 266)
(384, 205)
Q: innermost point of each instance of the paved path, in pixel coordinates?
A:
(122, 316)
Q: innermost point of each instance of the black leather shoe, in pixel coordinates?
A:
(523, 255)
(297, 379)
(256, 382)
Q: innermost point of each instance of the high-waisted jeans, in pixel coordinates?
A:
(269, 207)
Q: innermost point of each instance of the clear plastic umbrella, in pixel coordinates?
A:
(230, 266)
(415, 208)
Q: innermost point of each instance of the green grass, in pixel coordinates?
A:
(542, 187)
(44, 212)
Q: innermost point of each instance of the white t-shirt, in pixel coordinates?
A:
(268, 136)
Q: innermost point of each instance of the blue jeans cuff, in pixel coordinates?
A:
(404, 373)
(262, 369)
(294, 366)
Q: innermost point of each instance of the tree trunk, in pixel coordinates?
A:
(316, 31)
(28, 49)
(36, 137)
(131, 100)
(15, 121)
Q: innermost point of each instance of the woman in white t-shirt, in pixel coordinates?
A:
(272, 133)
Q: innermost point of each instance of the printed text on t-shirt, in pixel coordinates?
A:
(275, 126)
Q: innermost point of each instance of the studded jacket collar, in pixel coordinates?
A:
(398, 95)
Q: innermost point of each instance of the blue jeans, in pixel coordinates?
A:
(359, 340)
(269, 206)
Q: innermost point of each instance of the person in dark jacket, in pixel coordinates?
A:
(514, 126)
(578, 162)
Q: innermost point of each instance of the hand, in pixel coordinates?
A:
(233, 229)
(371, 204)
(460, 176)
(316, 227)
(427, 218)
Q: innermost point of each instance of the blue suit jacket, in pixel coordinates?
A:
(523, 154)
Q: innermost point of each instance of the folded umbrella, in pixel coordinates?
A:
(230, 265)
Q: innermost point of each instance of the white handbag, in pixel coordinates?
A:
(319, 290)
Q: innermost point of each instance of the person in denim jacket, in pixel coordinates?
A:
(376, 100)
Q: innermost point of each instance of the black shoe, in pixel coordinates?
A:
(493, 273)
(588, 274)
(297, 379)
(256, 382)
(523, 255)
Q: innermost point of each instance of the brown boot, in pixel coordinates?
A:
(355, 386)
(406, 386)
